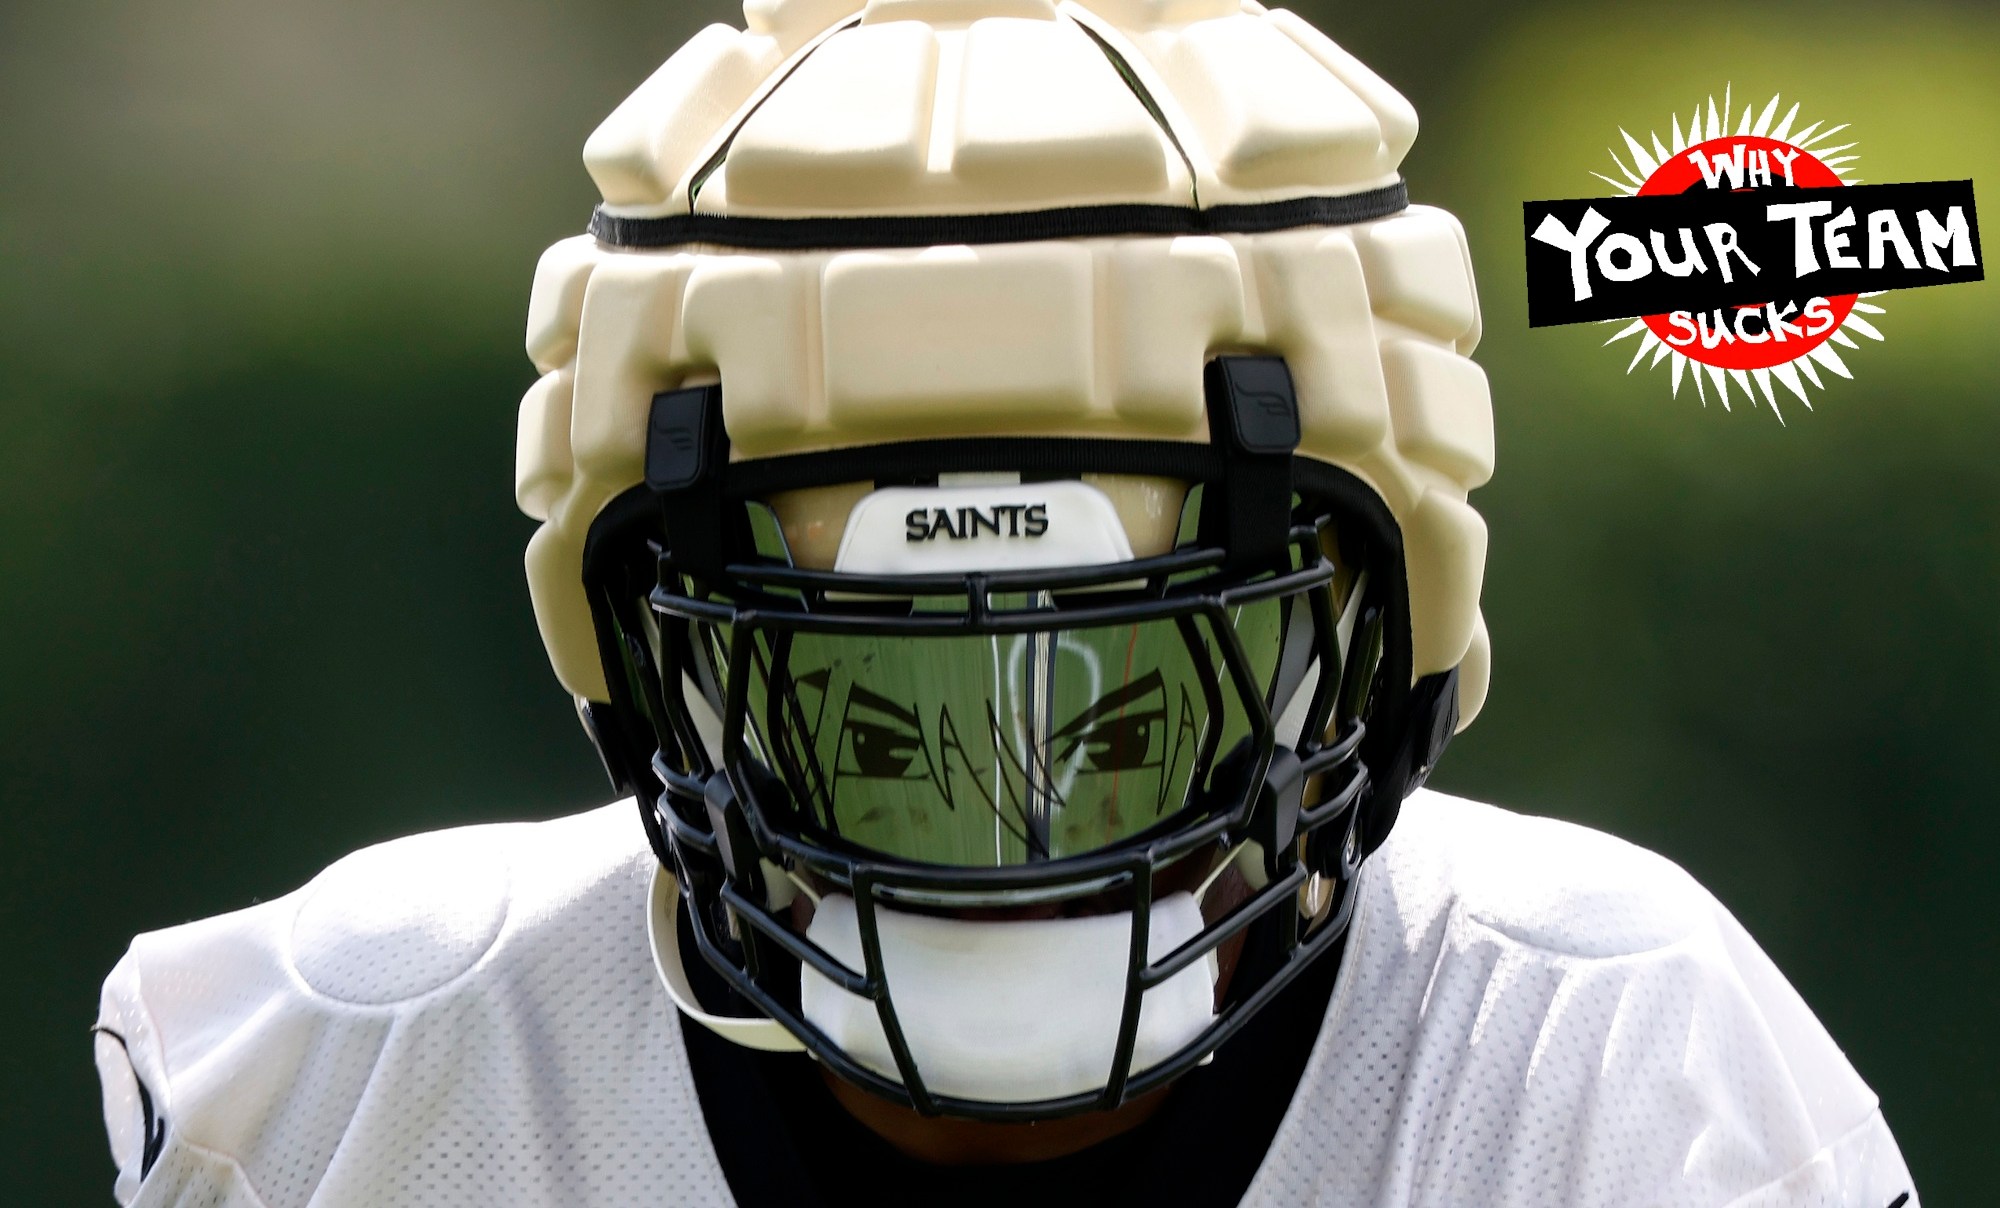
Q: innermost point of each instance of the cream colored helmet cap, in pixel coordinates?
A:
(835, 108)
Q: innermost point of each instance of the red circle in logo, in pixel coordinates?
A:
(1748, 337)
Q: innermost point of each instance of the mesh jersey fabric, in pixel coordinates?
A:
(1529, 1014)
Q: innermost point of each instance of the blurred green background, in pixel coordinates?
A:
(263, 268)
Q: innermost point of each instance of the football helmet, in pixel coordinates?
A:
(1002, 467)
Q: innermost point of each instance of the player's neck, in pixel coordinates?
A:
(947, 1142)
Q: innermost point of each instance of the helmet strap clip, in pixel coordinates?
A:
(1274, 821)
(686, 448)
(1253, 422)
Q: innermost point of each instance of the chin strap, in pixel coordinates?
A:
(663, 931)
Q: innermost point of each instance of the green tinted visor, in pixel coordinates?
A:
(993, 750)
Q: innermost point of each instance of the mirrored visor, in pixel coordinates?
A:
(998, 750)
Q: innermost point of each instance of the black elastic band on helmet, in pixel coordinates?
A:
(914, 461)
(932, 230)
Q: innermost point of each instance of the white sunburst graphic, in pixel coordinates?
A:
(1647, 162)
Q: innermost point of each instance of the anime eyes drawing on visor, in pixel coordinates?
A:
(989, 702)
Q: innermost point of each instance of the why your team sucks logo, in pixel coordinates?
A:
(1743, 252)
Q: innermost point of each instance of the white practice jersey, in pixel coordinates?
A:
(1531, 1014)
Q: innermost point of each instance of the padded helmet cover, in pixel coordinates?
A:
(839, 109)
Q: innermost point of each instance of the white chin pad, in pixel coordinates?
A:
(1009, 1011)
(1021, 526)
